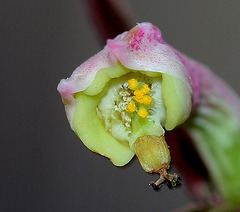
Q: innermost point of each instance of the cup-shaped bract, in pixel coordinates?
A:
(99, 100)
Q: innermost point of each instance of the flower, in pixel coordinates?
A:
(124, 100)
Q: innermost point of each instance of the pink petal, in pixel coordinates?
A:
(143, 48)
(84, 75)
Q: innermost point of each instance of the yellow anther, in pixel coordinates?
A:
(142, 112)
(146, 100)
(131, 107)
(138, 100)
(138, 95)
(145, 89)
(133, 84)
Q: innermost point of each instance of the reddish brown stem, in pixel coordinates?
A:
(110, 17)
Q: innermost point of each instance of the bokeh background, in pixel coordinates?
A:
(44, 166)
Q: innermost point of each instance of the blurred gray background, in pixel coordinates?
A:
(44, 166)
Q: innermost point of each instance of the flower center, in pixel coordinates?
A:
(128, 100)
(140, 96)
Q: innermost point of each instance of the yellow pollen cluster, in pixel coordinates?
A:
(142, 112)
(146, 100)
(131, 107)
(140, 96)
(145, 89)
(133, 84)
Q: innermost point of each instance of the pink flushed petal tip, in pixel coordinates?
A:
(143, 48)
(64, 89)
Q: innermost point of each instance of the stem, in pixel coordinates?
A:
(110, 17)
